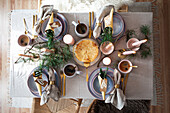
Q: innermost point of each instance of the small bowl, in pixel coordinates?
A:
(130, 42)
(32, 85)
(24, 40)
(107, 47)
(124, 66)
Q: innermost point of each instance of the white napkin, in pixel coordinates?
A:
(99, 18)
(116, 97)
(45, 12)
(52, 90)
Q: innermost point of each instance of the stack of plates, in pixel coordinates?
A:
(118, 26)
(58, 32)
(93, 84)
(32, 86)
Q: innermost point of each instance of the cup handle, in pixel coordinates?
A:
(78, 72)
(74, 23)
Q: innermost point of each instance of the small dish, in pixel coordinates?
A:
(107, 47)
(130, 42)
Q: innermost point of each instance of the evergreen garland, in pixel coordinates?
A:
(58, 57)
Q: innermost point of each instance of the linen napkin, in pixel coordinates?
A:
(52, 90)
(99, 18)
(45, 12)
(116, 97)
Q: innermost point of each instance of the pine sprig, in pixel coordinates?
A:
(130, 34)
(54, 59)
(102, 73)
(107, 35)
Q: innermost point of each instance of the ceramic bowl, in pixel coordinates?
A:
(130, 42)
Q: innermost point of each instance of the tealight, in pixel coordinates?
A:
(107, 61)
(68, 39)
(139, 42)
(129, 52)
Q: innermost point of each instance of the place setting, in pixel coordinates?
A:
(89, 53)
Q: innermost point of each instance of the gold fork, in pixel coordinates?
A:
(62, 89)
(86, 64)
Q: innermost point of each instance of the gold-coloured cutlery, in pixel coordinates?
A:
(125, 83)
(87, 64)
(61, 75)
(90, 31)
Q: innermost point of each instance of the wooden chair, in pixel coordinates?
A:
(124, 8)
(62, 106)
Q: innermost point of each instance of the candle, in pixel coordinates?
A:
(128, 52)
(47, 50)
(139, 42)
(68, 39)
(106, 61)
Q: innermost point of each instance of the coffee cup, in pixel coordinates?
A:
(81, 29)
(125, 66)
(24, 40)
(71, 70)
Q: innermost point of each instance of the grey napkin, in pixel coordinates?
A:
(45, 12)
(99, 18)
(116, 97)
(52, 90)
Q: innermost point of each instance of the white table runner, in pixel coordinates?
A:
(140, 82)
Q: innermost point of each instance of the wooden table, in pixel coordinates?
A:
(140, 82)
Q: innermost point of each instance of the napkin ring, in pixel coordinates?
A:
(52, 82)
(117, 86)
(41, 21)
(98, 24)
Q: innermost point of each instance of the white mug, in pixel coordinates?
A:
(24, 40)
(129, 68)
(75, 72)
(81, 29)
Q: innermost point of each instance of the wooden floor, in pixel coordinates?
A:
(7, 5)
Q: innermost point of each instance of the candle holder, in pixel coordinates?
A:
(120, 55)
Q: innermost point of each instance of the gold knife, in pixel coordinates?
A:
(64, 89)
(90, 31)
(125, 83)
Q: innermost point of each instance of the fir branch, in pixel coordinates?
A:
(130, 34)
(145, 29)
(107, 35)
